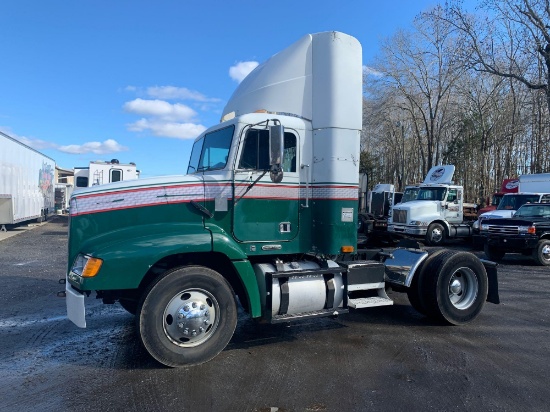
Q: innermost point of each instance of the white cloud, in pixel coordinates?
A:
(241, 70)
(178, 93)
(167, 129)
(369, 71)
(160, 109)
(108, 146)
(36, 144)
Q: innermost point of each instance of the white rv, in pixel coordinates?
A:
(26, 183)
(100, 173)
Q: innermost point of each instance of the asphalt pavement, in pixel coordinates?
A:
(379, 359)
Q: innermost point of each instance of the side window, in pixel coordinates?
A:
(451, 195)
(81, 181)
(289, 157)
(545, 199)
(116, 175)
(255, 153)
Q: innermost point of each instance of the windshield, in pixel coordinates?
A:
(431, 193)
(411, 193)
(211, 151)
(496, 199)
(533, 211)
(514, 202)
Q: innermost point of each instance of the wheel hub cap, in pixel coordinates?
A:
(191, 317)
(463, 288)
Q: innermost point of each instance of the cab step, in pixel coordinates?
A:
(370, 302)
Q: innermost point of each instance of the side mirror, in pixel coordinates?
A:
(276, 149)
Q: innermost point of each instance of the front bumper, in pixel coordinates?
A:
(510, 243)
(76, 311)
(408, 230)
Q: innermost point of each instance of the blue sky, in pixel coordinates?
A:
(138, 80)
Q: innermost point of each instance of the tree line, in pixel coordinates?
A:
(468, 88)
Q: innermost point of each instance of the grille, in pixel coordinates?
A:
(400, 216)
(504, 230)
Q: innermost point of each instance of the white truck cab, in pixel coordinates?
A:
(438, 211)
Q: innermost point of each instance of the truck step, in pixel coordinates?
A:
(359, 303)
(307, 315)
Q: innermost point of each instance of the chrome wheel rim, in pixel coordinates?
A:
(436, 235)
(191, 317)
(463, 288)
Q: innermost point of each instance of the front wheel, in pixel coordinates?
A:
(542, 252)
(455, 287)
(435, 235)
(187, 317)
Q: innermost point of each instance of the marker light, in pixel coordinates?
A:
(347, 249)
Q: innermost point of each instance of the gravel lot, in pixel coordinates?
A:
(380, 359)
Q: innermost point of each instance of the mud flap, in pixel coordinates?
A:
(492, 278)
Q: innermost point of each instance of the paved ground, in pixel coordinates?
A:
(380, 359)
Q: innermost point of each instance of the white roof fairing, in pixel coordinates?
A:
(301, 79)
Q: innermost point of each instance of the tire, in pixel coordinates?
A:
(541, 253)
(435, 236)
(454, 287)
(129, 306)
(415, 291)
(187, 316)
(493, 253)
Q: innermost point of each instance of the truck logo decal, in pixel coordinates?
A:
(184, 193)
(436, 175)
(512, 184)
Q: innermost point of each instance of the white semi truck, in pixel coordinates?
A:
(26, 183)
(437, 213)
(267, 212)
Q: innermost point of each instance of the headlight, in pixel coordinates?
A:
(527, 229)
(484, 227)
(476, 225)
(415, 223)
(86, 266)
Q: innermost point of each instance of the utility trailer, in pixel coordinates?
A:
(267, 213)
(26, 183)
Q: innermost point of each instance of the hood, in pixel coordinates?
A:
(419, 207)
(495, 214)
(137, 193)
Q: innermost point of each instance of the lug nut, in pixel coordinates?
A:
(194, 304)
(203, 306)
(194, 333)
(186, 308)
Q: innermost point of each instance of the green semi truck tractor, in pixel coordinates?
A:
(266, 217)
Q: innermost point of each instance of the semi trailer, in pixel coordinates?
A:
(266, 217)
(26, 183)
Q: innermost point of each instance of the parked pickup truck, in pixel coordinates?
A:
(526, 232)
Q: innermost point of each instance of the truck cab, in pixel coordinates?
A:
(266, 217)
(437, 212)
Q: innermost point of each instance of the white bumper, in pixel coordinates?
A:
(76, 312)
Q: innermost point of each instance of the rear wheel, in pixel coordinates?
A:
(415, 292)
(455, 287)
(435, 235)
(542, 252)
(187, 317)
(493, 253)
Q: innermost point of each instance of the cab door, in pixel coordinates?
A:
(453, 205)
(263, 210)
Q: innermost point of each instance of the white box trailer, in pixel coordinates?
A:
(100, 173)
(26, 183)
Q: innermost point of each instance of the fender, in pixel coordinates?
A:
(225, 244)
(129, 253)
